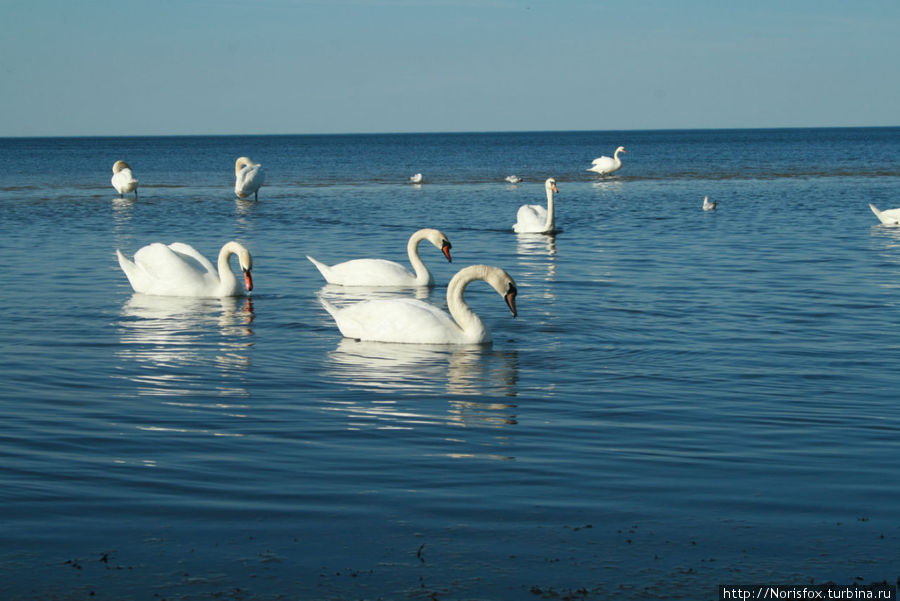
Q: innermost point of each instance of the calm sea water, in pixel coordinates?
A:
(686, 399)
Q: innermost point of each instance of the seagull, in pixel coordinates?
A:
(709, 206)
(416, 179)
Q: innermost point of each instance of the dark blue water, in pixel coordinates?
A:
(686, 399)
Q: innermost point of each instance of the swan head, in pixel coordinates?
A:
(119, 165)
(550, 184)
(244, 260)
(240, 163)
(503, 283)
(621, 149)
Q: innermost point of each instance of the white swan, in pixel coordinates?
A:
(248, 177)
(605, 165)
(179, 270)
(889, 217)
(709, 206)
(123, 179)
(535, 219)
(416, 179)
(513, 179)
(417, 322)
(380, 272)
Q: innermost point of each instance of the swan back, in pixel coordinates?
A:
(123, 179)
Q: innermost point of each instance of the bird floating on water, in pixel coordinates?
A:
(513, 179)
(416, 179)
(709, 206)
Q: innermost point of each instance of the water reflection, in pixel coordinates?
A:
(455, 369)
(537, 253)
(187, 345)
(344, 295)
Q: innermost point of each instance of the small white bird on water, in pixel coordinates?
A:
(416, 179)
(605, 165)
(248, 177)
(123, 179)
(709, 206)
(513, 179)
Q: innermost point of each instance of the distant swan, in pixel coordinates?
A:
(605, 165)
(417, 322)
(513, 179)
(416, 179)
(123, 179)
(179, 270)
(535, 219)
(709, 206)
(248, 177)
(889, 217)
(380, 272)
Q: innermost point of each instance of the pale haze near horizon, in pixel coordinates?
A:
(342, 66)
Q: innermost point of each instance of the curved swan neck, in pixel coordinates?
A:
(464, 317)
(423, 276)
(227, 280)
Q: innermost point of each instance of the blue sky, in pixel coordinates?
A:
(135, 67)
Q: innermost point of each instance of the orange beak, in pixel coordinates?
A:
(445, 248)
(248, 281)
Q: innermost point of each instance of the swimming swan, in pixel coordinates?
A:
(413, 321)
(248, 177)
(535, 219)
(889, 217)
(123, 179)
(380, 272)
(179, 270)
(709, 206)
(605, 165)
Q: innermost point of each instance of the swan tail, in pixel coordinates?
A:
(875, 210)
(322, 267)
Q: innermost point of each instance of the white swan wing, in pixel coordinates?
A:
(396, 320)
(531, 219)
(162, 270)
(366, 272)
(249, 179)
(603, 164)
(123, 181)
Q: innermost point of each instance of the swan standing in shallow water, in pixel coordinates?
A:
(417, 322)
(709, 206)
(123, 179)
(248, 177)
(605, 165)
(179, 270)
(535, 219)
(889, 217)
(380, 272)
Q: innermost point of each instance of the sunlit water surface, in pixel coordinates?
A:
(686, 398)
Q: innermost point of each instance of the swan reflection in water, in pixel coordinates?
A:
(459, 370)
(537, 255)
(886, 239)
(175, 340)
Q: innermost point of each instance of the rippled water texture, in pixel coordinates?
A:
(686, 398)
